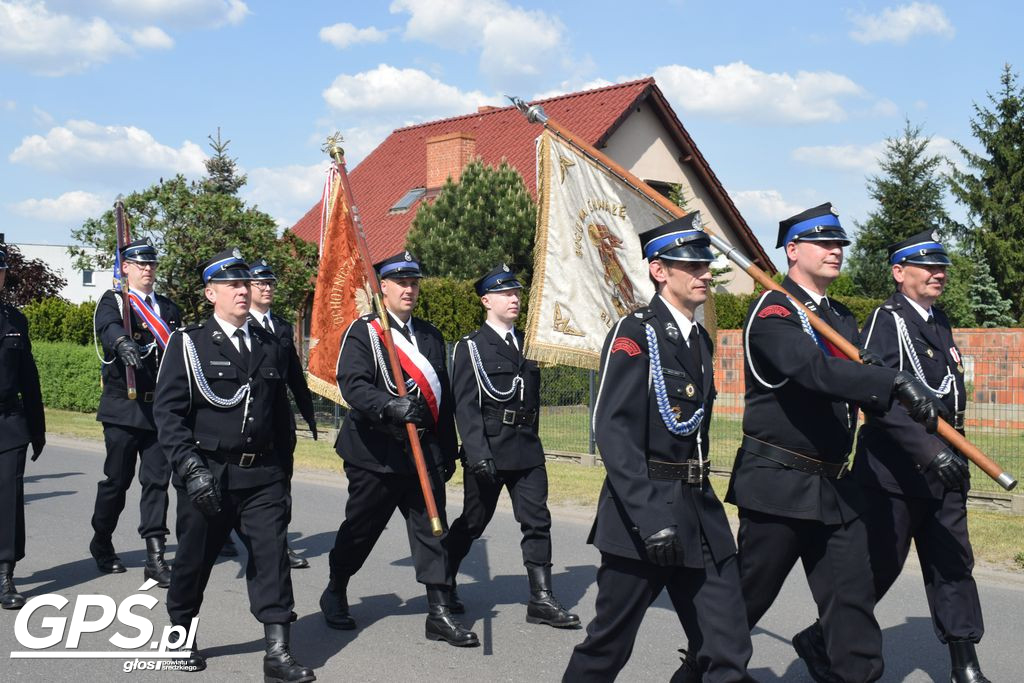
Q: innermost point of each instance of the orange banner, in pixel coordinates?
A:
(342, 293)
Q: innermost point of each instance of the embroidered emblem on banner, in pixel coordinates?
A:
(774, 309)
(626, 344)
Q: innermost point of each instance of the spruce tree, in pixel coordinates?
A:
(993, 190)
(221, 170)
(484, 219)
(909, 196)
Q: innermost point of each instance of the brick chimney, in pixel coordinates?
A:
(447, 155)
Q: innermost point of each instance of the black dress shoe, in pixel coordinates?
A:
(334, 606)
(543, 608)
(194, 662)
(688, 672)
(229, 549)
(156, 568)
(107, 560)
(297, 561)
(10, 598)
(441, 625)
(810, 647)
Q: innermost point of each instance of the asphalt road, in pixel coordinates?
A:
(389, 605)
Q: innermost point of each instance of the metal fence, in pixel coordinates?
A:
(567, 393)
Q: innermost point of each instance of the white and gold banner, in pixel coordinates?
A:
(588, 268)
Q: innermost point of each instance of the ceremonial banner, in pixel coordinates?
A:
(588, 268)
(342, 292)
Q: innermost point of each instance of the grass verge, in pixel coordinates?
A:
(998, 539)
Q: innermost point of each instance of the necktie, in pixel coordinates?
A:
(149, 301)
(243, 350)
(266, 323)
(510, 341)
(404, 329)
(694, 342)
(931, 321)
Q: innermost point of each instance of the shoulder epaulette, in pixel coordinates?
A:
(642, 313)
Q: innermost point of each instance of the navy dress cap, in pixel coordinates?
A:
(398, 266)
(227, 266)
(261, 270)
(683, 239)
(140, 251)
(497, 280)
(3, 258)
(820, 224)
(923, 249)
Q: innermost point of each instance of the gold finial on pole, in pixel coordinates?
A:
(332, 147)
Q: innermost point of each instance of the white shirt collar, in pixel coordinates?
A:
(229, 329)
(502, 331)
(396, 321)
(682, 321)
(925, 314)
(817, 298)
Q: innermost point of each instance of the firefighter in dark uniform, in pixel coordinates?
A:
(497, 401)
(659, 523)
(264, 282)
(21, 423)
(128, 427)
(915, 484)
(789, 478)
(373, 443)
(222, 416)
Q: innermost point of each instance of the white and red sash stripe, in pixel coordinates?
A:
(416, 366)
(161, 332)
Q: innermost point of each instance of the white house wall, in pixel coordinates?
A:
(57, 258)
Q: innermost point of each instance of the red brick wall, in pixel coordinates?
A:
(447, 155)
(993, 360)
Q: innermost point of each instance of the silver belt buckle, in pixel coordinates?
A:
(247, 460)
(508, 417)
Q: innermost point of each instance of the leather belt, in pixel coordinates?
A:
(512, 417)
(10, 405)
(242, 459)
(145, 397)
(794, 460)
(688, 472)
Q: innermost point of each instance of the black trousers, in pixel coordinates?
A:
(258, 517)
(707, 601)
(372, 500)
(529, 492)
(12, 503)
(939, 531)
(124, 445)
(835, 559)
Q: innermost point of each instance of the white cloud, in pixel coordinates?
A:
(49, 44)
(286, 192)
(81, 148)
(41, 117)
(152, 37)
(573, 86)
(390, 90)
(863, 159)
(761, 207)
(177, 13)
(516, 45)
(8, 105)
(739, 91)
(69, 207)
(344, 35)
(899, 24)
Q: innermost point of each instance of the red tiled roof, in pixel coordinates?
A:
(400, 162)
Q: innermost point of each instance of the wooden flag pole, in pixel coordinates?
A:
(535, 114)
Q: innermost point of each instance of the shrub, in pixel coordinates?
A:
(563, 385)
(69, 375)
(56, 320)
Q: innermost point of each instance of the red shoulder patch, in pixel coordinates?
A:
(774, 309)
(626, 344)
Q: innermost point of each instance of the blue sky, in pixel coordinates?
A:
(789, 101)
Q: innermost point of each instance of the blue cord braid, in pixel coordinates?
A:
(661, 393)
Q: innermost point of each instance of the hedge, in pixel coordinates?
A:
(69, 375)
(732, 308)
(56, 320)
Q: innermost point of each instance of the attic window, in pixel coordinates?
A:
(407, 200)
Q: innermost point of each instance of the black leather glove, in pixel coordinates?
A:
(37, 447)
(449, 470)
(663, 548)
(950, 468)
(871, 358)
(918, 400)
(312, 428)
(485, 471)
(408, 408)
(128, 352)
(201, 485)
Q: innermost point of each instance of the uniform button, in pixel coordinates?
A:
(250, 419)
(248, 439)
